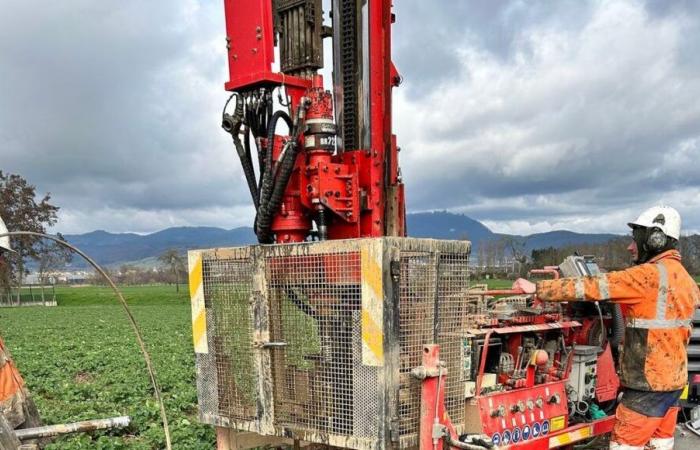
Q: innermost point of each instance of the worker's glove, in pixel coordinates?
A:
(526, 286)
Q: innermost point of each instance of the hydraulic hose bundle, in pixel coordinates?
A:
(253, 116)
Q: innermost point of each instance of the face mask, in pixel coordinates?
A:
(639, 234)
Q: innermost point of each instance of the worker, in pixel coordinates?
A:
(16, 406)
(658, 298)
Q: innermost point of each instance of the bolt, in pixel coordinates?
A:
(255, 50)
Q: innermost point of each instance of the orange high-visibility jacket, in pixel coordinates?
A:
(11, 384)
(659, 300)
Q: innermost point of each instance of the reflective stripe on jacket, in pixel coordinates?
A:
(659, 299)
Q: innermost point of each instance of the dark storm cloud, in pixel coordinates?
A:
(587, 115)
(527, 115)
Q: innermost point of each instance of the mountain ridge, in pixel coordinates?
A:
(119, 248)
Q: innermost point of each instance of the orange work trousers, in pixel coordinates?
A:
(634, 430)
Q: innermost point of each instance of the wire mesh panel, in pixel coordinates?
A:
(316, 341)
(227, 287)
(314, 300)
(453, 319)
(433, 309)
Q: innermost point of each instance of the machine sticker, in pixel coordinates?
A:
(516, 435)
(557, 423)
(496, 439)
(545, 427)
(536, 427)
(199, 314)
(372, 306)
(526, 432)
(570, 437)
(506, 437)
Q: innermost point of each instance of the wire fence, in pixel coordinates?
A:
(29, 295)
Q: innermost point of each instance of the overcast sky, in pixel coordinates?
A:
(528, 116)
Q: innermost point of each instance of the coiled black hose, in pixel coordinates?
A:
(268, 176)
(268, 204)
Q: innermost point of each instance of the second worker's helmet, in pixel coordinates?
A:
(4, 240)
(665, 218)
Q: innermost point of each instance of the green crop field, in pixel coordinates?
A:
(81, 361)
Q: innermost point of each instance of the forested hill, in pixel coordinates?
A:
(117, 248)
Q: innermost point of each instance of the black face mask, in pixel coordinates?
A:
(639, 235)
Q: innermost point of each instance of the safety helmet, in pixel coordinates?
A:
(664, 218)
(5, 240)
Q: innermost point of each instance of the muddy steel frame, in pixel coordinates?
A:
(316, 341)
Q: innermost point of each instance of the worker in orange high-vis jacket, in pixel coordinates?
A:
(659, 299)
(16, 407)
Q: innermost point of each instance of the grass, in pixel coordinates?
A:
(494, 283)
(81, 361)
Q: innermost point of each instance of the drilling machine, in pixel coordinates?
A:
(336, 329)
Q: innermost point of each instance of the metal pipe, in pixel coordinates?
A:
(76, 427)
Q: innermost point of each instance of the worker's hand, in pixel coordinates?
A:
(528, 287)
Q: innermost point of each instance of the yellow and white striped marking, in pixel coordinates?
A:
(199, 316)
(572, 436)
(372, 306)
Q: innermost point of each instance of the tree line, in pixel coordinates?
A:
(509, 253)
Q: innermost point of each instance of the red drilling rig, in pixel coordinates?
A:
(339, 171)
(344, 332)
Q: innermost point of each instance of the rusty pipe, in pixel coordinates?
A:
(76, 427)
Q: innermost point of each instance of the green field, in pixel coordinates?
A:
(81, 361)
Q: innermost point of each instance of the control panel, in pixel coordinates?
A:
(520, 415)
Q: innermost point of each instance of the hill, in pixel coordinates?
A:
(119, 248)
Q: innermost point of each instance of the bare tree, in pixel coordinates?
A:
(51, 256)
(175, 262)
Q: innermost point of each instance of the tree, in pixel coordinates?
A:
(176, 262)
(52, 256)
(21, 211)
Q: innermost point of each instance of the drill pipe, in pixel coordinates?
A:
(77, 427)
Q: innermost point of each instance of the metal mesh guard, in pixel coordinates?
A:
(291, 348)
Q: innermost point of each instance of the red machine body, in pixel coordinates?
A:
(348, 192)
(335, 175)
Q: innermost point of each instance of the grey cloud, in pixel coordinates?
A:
(524, 115)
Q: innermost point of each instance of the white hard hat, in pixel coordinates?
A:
(664, 218)
(5, 240)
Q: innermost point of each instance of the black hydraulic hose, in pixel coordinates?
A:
(267, 206)
(285, 172)
(268, 174)
(618, 323)
(233, 124)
